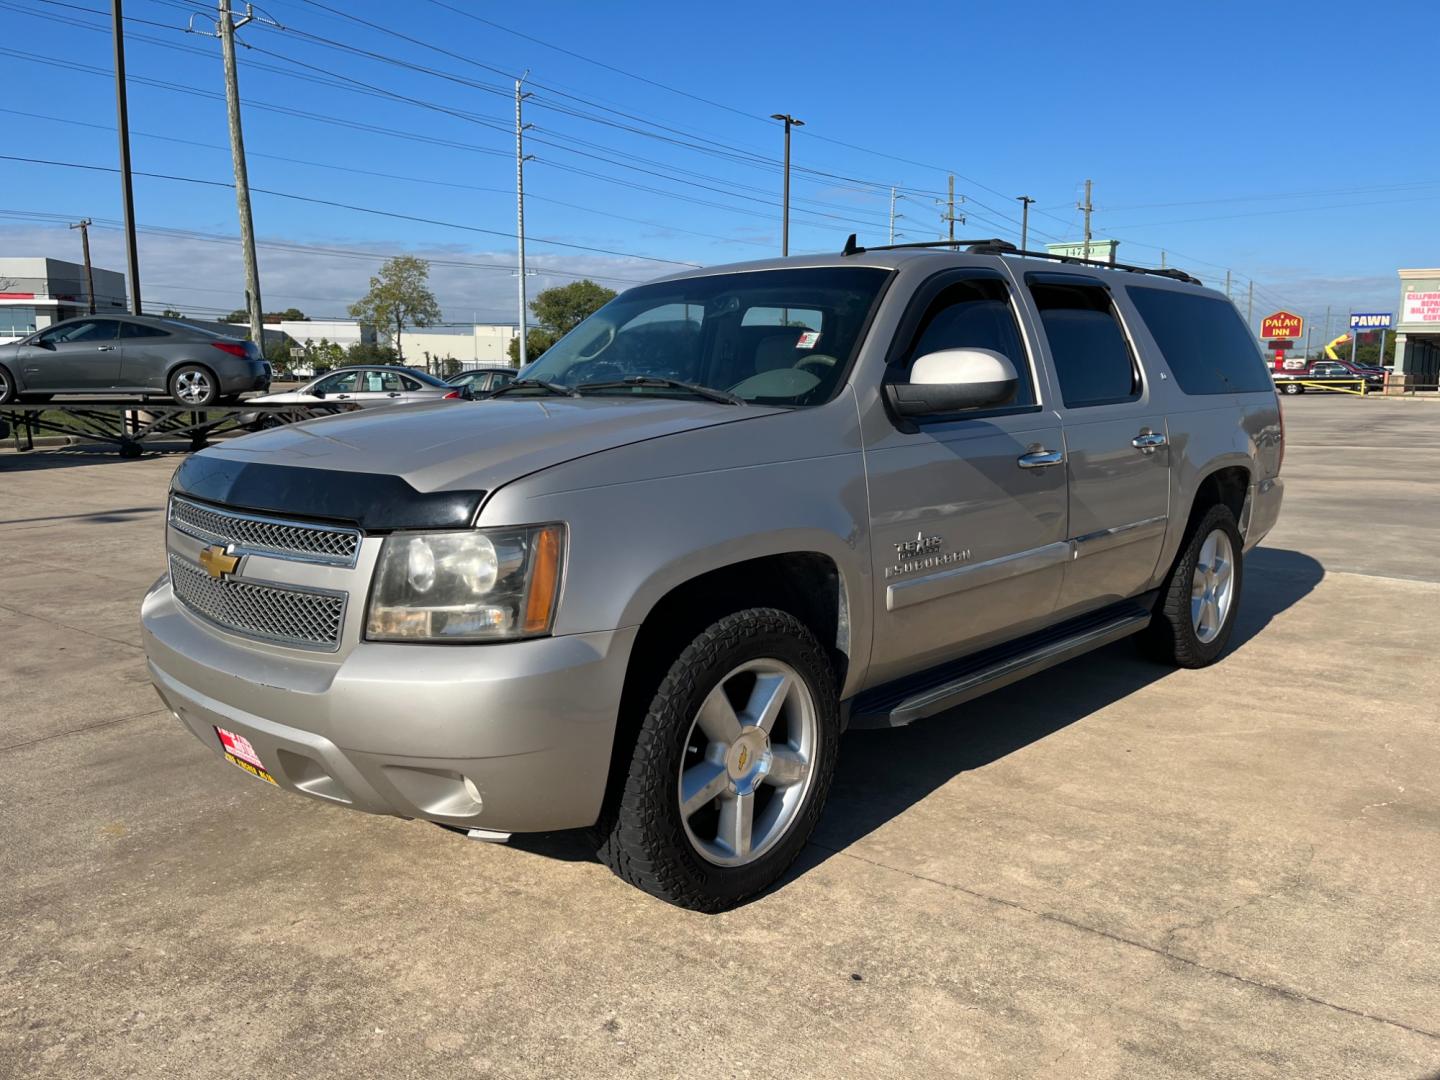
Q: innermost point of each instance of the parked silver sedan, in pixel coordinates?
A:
(380, 384)
(131, 354)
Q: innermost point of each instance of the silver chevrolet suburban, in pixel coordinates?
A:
(646, 587)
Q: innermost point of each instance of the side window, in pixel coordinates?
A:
(499, 379)
(130, 330)
(90, 330)
(1204, 341)
(341, 383)
(400, 382)
(1093, 360)
(975, 314)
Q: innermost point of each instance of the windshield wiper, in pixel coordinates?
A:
(708, 392)
(559, 389)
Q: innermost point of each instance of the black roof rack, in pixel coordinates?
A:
(996, 246)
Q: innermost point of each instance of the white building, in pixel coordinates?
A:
(472, 345)
(35, 292)
(342, 332)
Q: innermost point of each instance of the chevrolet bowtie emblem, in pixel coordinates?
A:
(217, 562)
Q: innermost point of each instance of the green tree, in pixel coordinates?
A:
(536, 342)
(171, 313)
(399, 296)
(363, 352)
(558, 311)
(564, 307)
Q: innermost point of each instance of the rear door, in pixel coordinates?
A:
(1116, 442)
(79, 355)
(968, 526)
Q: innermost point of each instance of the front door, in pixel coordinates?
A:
(967, 519)
(1116, 443)
(79, 355)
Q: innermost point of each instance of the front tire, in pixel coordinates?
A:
(731, 766)
(1196, 611)
(191, 384)
(8, 393)
(1294, 388)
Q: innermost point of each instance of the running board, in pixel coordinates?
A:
(929, 692)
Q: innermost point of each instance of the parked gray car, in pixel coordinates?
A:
(99, 355)
(646, 587)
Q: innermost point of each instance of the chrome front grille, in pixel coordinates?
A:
(332, 545)
(285, 614)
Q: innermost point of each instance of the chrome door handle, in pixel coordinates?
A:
(1147, 442)
(1040, 459)
(104, 348)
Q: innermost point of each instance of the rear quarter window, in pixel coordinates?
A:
(1204, 341)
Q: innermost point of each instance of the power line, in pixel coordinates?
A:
(343, 206)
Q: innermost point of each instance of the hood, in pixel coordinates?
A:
(476, 445)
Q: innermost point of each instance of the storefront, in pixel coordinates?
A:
(1417, 333)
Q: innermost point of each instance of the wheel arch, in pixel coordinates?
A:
(804, 583)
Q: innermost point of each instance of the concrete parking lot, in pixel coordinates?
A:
(1112, 871)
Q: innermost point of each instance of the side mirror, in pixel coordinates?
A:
(953, 380)
(467, 391)
(317, 392)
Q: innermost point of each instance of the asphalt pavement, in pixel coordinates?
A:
(1112, 871)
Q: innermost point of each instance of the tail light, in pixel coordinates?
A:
(233, 348)
(451, 394)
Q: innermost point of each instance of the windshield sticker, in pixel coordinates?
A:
(808, 339)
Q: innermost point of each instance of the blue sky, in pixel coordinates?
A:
(1287, 142)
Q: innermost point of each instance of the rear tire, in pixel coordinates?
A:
(194, 385)
(1195, 614)
(731, 766)
(1294, 388)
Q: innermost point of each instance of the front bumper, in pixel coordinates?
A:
(398, 729)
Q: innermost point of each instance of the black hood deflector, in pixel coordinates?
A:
(376, 502)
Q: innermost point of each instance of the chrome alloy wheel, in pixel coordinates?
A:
(747, 765)
(192, 387)
(4, 385)
(1213, 587)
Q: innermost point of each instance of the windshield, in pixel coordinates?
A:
(776, 337)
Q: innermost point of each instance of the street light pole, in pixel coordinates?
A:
(790, 122)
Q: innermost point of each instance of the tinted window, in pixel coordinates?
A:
(84, 330)
(140, 330)
(1204, 340)
(340, 383)
(975, 314)
(1087, 343)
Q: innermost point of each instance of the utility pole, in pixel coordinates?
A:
(1162, 258)
(1327, 325)
(226, 25)
(1088, 207)
(84, 227)
(790, 122)
(127, 193)
(1227, 286)
(520, 126)
(1025, 201)
(893, 215)
(1250, 306)
(950, 217)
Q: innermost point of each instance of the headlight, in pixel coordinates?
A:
(477, 585)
